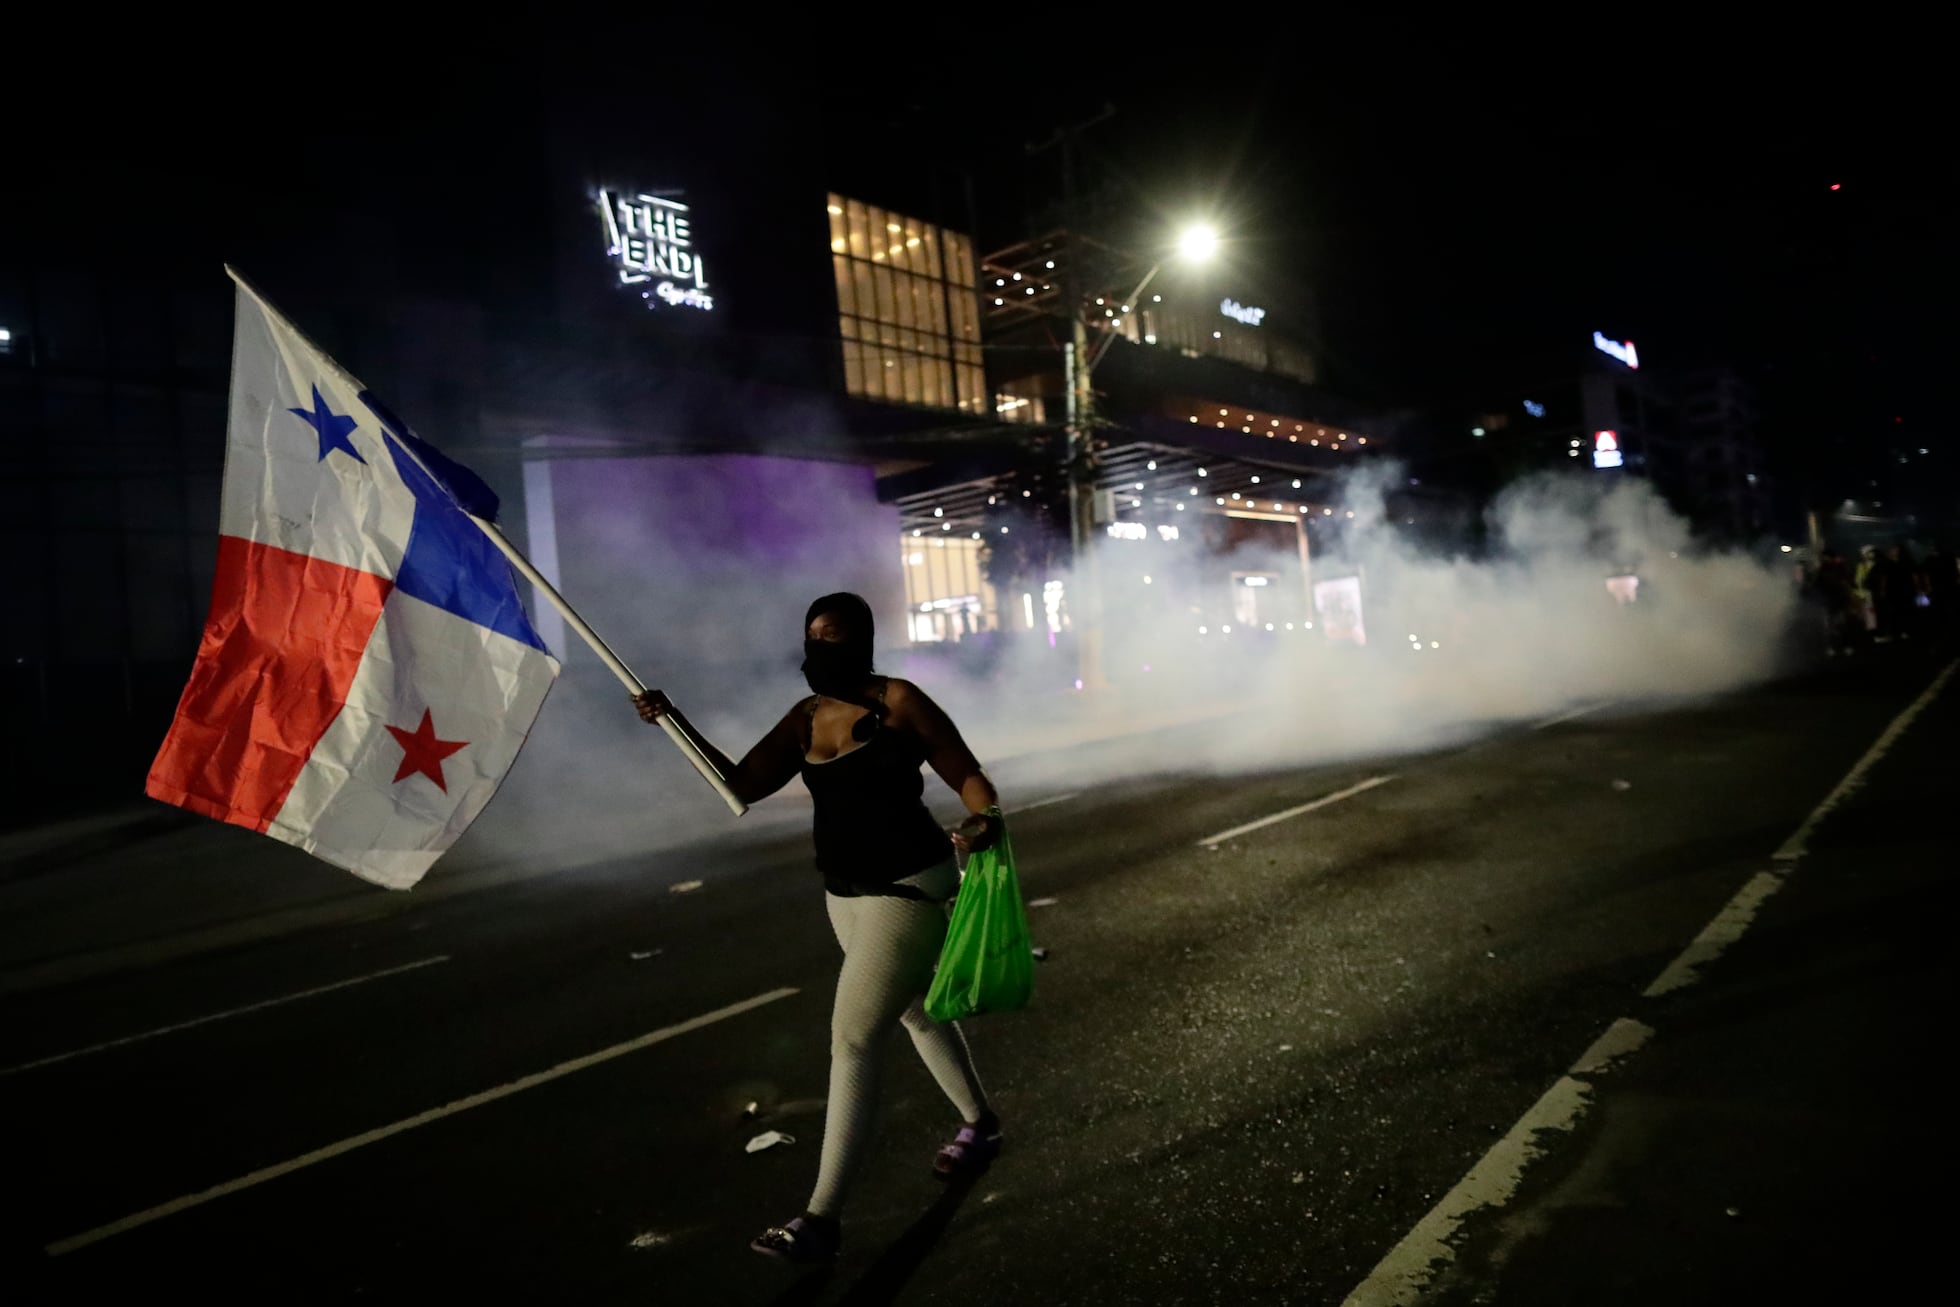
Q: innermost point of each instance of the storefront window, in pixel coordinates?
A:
(946, 596)
(910, 287)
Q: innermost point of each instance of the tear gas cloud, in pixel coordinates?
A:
(1456, 646)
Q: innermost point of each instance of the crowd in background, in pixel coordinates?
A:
(1881, 595)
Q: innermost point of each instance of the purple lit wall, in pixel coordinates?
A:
(698, 567)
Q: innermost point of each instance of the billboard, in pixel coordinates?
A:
(1337, 604)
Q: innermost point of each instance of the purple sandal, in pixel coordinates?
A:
(972, 1151)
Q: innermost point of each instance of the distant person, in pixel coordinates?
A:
(1810, 595)
(888, 872)
(1843, 612)
(1865, 578)
(1895, 593)
(1942, 591)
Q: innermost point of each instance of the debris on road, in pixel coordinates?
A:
(642, 954)
(752, 1111)
(1040, 954)
(1286, 1048)
(651, 1239)
(769, 1139)
(1622, 785)
(684, 887)
(1043, 903)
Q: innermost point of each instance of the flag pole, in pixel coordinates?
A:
(678, 729)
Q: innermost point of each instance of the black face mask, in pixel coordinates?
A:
(836, 668)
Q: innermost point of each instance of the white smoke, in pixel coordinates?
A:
(1456, 646)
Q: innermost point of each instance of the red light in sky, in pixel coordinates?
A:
(1835, 185)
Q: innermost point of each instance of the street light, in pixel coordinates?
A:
(1195, 244)
(1198, 243)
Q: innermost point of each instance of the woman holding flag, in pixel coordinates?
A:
(888, 871)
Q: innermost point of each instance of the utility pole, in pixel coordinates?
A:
(1079, 456)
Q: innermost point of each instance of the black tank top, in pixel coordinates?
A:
(871, 824)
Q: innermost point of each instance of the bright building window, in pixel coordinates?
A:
(1026, 409)
(907, 309)
(946, 597)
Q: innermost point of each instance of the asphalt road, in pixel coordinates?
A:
(1250, 1071)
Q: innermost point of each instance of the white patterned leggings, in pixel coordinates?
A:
(890, 948)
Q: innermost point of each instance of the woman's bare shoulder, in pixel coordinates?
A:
(912, 706)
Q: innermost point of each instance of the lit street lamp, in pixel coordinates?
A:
(1196, 244)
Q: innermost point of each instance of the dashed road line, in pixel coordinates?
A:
(61, 1247)
(1051, 799)
(220, 1016)
(1212, 841)
(1567, 716)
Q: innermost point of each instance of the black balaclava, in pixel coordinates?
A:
(838, 669)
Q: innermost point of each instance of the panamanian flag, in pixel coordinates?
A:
(367, 673)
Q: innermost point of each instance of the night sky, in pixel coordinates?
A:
(1462, 214)
(1460, 201)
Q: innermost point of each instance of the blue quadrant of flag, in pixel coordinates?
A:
(450, 562)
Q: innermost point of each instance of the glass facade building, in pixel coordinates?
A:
(947, 596)
(907, 309)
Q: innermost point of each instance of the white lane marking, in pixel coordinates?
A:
(1728, 925)
(1405, 1274)
(63, 1246)
(1352, 790)
(1799, 844)
(220, 1016)
(1722, 930)
(1042, 803)
(1580, 711)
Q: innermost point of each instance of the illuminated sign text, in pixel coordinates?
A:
(1621, 350)
(1238, 312)
(651, 239)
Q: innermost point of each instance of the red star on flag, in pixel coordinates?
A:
(423, 752)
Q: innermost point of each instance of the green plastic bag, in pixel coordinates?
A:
(987, 964)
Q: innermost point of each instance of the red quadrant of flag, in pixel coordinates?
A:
(280, 649)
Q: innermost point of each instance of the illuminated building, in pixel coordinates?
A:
(639, 327)
(1213, 439)
(709, 360)
(908, 308)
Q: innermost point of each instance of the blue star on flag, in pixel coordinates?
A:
(333, 427)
